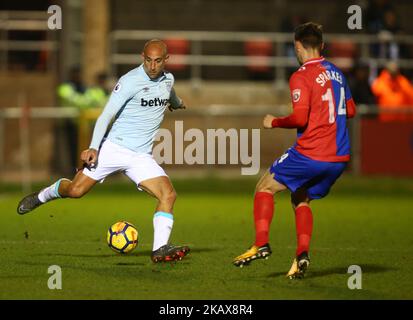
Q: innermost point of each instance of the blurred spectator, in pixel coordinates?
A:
(73, 93)
(393, 92)
(382, 19)
(97, 95)
(70, 94)
(388, 48)
(374, 16)
(360, 85)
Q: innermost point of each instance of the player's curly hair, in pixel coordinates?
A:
(310, 34)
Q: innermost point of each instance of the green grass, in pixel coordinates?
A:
(365, 222)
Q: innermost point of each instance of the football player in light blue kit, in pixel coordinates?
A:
(137, 105)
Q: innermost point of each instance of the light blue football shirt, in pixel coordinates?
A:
(138, 104)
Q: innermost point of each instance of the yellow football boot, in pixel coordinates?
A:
(299, 266)
(251, 254)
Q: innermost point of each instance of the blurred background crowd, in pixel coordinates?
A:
(229, 57)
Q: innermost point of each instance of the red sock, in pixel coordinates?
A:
(263, 212)
(304, 228)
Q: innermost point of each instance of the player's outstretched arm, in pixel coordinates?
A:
(175, 102)
(298, 119)
(123, 91)
(301, 105)
(101, 126)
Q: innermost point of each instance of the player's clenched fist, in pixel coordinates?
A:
(181, 106)
(267, 122)
(89, 156)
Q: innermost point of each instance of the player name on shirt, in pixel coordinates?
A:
(157, 102)
(327, 75)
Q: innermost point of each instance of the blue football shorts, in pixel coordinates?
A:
(295, 170)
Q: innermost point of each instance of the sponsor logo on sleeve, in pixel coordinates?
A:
(296, 95)
(117, 87)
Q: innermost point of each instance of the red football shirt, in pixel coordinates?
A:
(322, 103)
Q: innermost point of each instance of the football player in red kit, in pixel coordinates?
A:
(322, 103)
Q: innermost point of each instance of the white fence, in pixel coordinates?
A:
(280, 61)
(36, 23)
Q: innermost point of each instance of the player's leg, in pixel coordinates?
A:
(290, 171)
(325, 175)
(304, 226)
(303, 220)
(110, 160)
(161, 188)
(316, 188)
(62, 188)
(265, 189)
(150, 177)
(77, 188)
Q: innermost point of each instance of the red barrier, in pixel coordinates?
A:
(177, 46)
(258, 48)
(386, 147)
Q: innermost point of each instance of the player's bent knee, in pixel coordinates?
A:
(263, 189)
(76, 192)
(262, 186)
(168, 197)
(269, 185)
(172, 196)
(302, 204)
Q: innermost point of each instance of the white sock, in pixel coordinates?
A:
(162, 226)
(50, 193)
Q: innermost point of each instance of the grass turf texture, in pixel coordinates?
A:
(365, 222)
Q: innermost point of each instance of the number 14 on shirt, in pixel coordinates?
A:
(328, 96)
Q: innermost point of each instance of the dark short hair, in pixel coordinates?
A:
(310, 34)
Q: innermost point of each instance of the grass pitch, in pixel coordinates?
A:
(365, 222)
